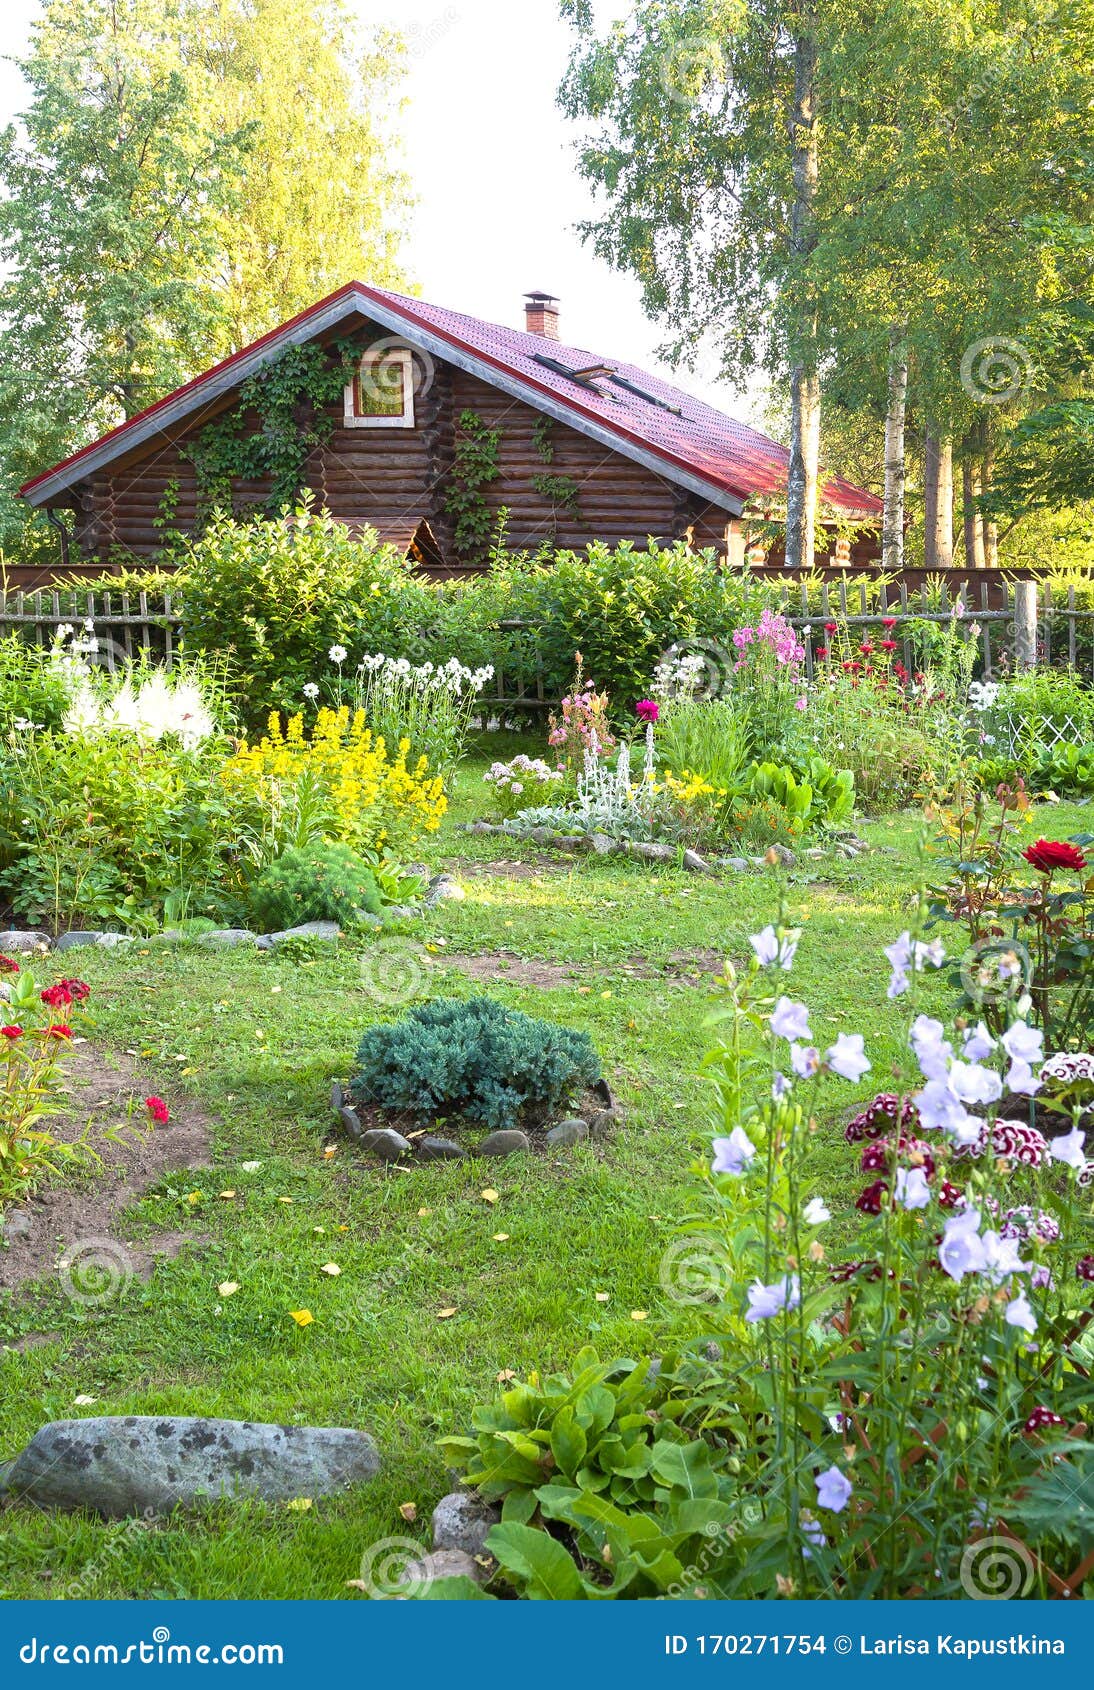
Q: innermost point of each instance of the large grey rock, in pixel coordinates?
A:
(385, 1143)
(461, 1520)
(739, 865)
(147, 1463)
(567, 1132)
(650, 851)
(351, 1121)
(15, 940)
(604, 1122)
(90, 936)
(507, 1141)
(326, 930)
(226, 938)
(696, 863)
(603, 845)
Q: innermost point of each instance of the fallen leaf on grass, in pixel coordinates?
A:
(409, 1511)
(423, 1212)
(83, 1401)
(602, 1296)
(330, 1152)
(446, 1314)
(501, 1238)
(489, 1195)
(228, 1289)
(250, 1167)
(332, 1268)
(299, 1504)
(505, 1376)
(284, 1199)
(639, 1314)
(227, 1195)
(357, 1584)
(302, 1317)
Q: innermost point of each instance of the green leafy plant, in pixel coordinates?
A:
(475, 1060)
(604, 1494)
(320, 881)
(475, 466)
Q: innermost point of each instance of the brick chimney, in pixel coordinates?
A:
(541, 314)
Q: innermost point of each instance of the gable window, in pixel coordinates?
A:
(381, 394)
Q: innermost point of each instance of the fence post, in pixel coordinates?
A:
(1025, 624)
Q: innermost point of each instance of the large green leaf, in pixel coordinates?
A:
(568, 1442)
(686, 1468)
(538, 1561)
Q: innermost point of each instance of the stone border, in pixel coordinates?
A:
(386, 1144)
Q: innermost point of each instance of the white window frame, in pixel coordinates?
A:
(404, 357)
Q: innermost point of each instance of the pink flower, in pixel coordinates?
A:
(646, 710)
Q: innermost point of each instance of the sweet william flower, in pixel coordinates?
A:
(833, 1490)
(847, 1057)
(733, 1155)
(158, 1110)
(790, 1020)
(11, 1032)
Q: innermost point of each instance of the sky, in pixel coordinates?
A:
(492, 162)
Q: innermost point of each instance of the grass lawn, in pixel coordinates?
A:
(257, 1040)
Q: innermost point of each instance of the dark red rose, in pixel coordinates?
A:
(1049, 854)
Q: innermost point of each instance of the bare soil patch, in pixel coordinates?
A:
(490, 967)
(86, 1201)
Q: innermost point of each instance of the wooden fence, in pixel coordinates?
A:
(1018, 623)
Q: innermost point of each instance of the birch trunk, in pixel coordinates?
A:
(801, 489)
(892, 521)
(974, 527)
(938, 501)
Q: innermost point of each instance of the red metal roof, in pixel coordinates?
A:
(679, 431)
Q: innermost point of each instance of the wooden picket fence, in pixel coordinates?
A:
(1056, 630)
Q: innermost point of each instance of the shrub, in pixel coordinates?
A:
(318, 882)
(274, 596)
(35, 685)
(341, 784)
(522, 783)
(430, 706)
(35, 1034)
(473, 1059)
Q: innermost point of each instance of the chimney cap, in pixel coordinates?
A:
(538, 297)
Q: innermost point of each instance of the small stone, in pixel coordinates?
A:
(540, 835)
(440, 1149)
(461, 1521)
(507, 1141)
(739, 865)
(567, 842)
(695, 862)
(442, 887)
(385, 1143)
(603, 844)
(14, 940)
(351, 1121)
(337, 1096)
(650, 851)
(440, 1564)
(91, 936)
(402, 912)
(784, 855)
(16, 1224)
(567, 1132)
(225, 938)
(604, 1122)
(325, 930)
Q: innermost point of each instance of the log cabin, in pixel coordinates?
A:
(433, 424)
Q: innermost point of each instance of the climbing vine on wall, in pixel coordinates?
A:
(292, 397)
(561, 491)
(475, 466)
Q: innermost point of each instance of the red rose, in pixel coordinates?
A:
(11, 1032)
(1049, 854)
(158, 1110)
